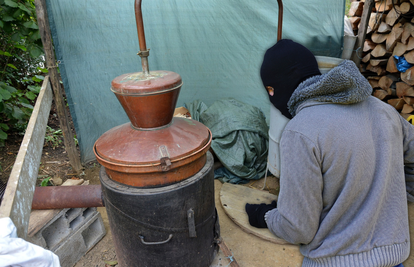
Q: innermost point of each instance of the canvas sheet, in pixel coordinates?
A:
(215, 45)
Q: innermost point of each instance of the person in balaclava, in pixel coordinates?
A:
(347, 165)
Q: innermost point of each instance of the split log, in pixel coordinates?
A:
(366, 58)
(369, 45)
(406, 7)
(375, 20)
(393, 16)
(378, 62)
(408, 76)
(407, 109)
(399, 49)
(394, 77)
(380, 51)
(381, 94)
(409, 100)
(379, 38)
(377, 69)
(409, 57)
(385, 82)
(374, 78)
(397, 103)
(404, 89)
(394, 37)
(369, 30)
(373, 83)
(410, 44)
(355, 22)
(356, 9)
(391, 92)
(384, 28)
(408, 29)
(382, 6)
(392, 65)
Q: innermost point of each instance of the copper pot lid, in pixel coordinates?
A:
(140, 83)
(127, 146)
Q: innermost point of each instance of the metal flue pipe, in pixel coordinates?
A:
(144, 52)
(61, 197)
(279, 24)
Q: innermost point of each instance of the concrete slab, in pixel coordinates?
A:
(247, 249)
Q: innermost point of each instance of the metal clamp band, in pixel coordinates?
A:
(144, 53)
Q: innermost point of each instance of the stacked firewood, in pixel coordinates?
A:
(390, 33)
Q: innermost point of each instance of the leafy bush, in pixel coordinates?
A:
(21, 64)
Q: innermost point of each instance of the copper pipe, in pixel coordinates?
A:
(61, 197)
(279, 24)
(143, 53)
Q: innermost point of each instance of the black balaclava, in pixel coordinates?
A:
(285, 65)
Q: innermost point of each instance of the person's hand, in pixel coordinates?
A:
(256, 213)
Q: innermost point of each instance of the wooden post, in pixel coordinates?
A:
(44, 29)
(362, 31)
(17, 200)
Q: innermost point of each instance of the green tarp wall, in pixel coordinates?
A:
(215, 45)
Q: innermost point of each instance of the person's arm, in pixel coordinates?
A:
(408, 132)
(300, 204)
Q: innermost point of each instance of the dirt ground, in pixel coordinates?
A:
(248, 250)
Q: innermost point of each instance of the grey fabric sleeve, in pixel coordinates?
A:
(296, 218)
(408, 133)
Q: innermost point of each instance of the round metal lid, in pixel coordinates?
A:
(127, 146)
(139, 83)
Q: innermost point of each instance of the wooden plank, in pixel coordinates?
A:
(17, 201)
(234, 198)
(46, 37)
(38, 219)
(356, 54)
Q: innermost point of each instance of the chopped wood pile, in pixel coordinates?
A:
(390, 33)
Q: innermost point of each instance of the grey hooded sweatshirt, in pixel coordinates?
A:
(347, 170)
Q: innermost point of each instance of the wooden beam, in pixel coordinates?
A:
(68, 136)
(17, 200)
(362, 31)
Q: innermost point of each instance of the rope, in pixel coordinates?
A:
(230, 258)
(356, 52)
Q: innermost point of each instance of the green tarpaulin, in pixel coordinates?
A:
(215, 45)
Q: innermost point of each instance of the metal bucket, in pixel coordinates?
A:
(278, 121)
(174, 225)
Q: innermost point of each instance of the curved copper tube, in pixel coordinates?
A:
(61, 197)
(279, 24)
(143, 53)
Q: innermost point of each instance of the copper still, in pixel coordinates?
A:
(157, 176)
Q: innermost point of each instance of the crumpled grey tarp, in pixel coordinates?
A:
(240, 137)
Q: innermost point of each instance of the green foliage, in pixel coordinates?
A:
(45, 182)
(53, 137)
(347, 6)
(21, 61)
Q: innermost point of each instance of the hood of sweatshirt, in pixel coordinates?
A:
(343, 84)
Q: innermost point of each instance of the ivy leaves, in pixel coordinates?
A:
(21, 64)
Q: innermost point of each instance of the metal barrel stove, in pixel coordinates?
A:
(157, 174)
